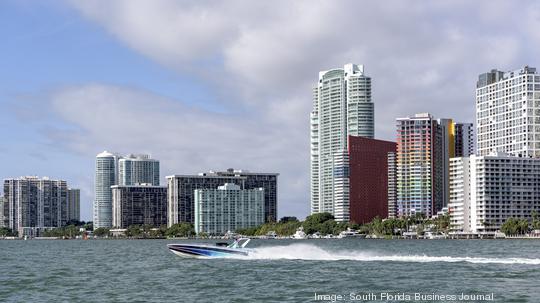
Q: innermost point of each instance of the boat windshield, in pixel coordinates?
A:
(240, 243)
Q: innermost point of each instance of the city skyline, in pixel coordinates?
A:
(79, 79)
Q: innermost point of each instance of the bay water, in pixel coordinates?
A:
(319, 270)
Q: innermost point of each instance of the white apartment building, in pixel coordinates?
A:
(487, 190)
(138, 169)
(341, 106)
(460, 195)
(228, 208)
(508, 112)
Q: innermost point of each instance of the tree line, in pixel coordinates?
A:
(77, 228)
(321, 223)
(145, 231)
(325, 224)
(516, 226)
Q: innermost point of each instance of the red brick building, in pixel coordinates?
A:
(368, 173)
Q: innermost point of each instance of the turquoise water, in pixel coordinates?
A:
(279, 271)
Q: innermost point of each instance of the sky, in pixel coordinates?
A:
(211, 85)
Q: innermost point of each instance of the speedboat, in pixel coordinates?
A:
(205, 251)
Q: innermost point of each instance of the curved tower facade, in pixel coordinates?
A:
(106, 176)
(341, 107)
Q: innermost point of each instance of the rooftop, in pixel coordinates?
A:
(105, 154)
(495, 75)
(348, 69)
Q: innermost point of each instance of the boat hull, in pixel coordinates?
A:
(205, 251)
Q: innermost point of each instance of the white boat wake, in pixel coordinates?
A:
(313, 252)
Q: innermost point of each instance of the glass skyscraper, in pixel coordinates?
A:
(341, 106)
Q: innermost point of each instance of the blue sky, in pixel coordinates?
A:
(209, 85)
(49, 45)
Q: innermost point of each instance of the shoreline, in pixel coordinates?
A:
(258, 238)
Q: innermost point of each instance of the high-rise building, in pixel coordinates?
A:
(464, 145)
(341, 186)
(342, 106)
(228, 208)
(445, 147)
(460, 194)
(368, 171)
(502, 180)
(180, 194)
(74, 204)
(508, 112)
(138, 169)
(180, 191)
(488, 190)
(113, 169)
(34, 204)
(268, 181)
(142, 204)
(2, 211)
(424, 146)
(106, 176)
(392, 184)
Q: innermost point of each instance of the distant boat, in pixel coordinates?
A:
(230, 235)
(204, 251)
(432, 236)
(316, 235)
(299, 234)
(271, 235)
(350, 233)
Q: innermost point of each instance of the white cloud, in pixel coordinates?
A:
(171, 34)
(271, 52)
